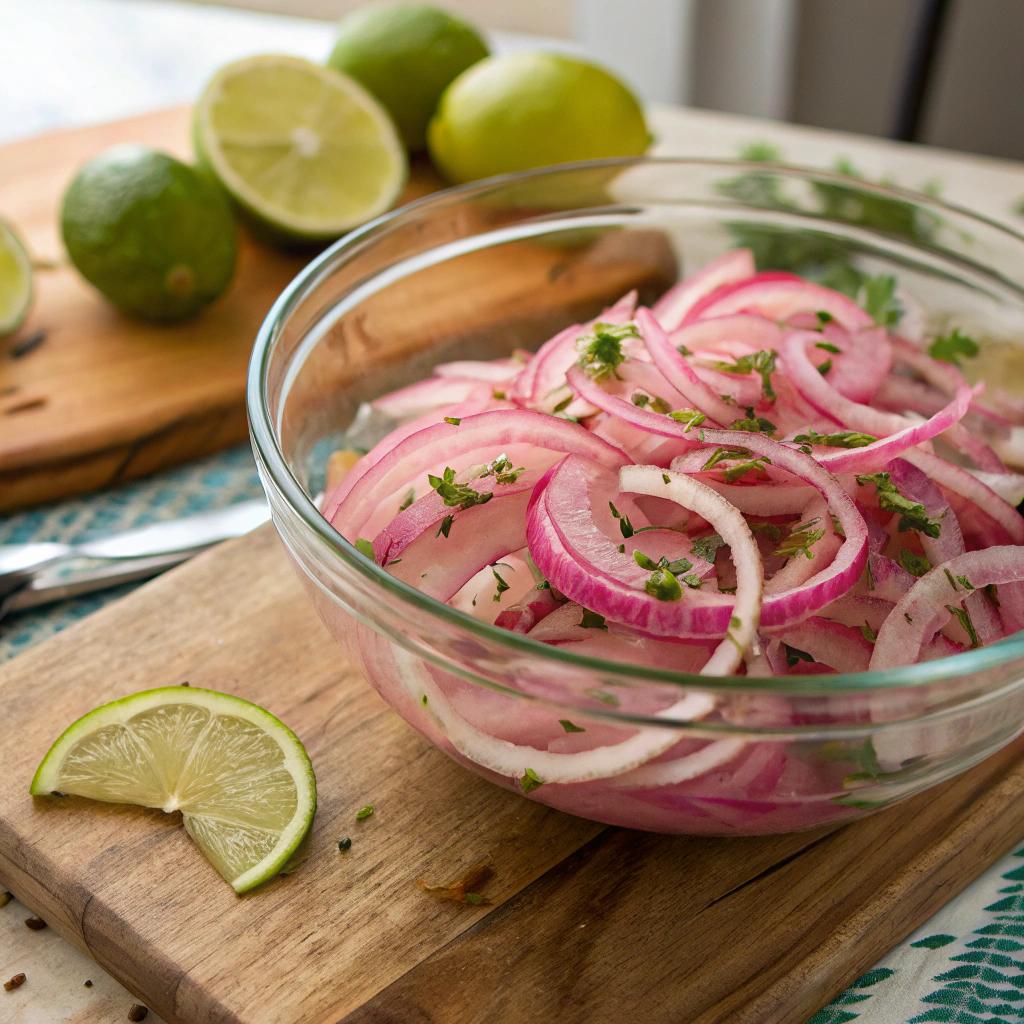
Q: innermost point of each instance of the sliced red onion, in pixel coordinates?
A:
(496, 371)
(922, 611)
(427, 395)
(831, 643)
(914, 484)
(672, 307)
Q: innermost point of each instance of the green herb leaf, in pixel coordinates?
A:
(733, 473)
(801, 539)
(689, 417)
(964, 617)
(693, 581)
(844, 439)
(453, 420)
(827, 346)
(455, 494)
(364, 813)
(879, 300)
(868, 633)
(793, 655)
(773, 532)
(965, 582)
(564, 403)
(754, 424)
(664, 586)
(762, 363)
(445, 527)
(707, 547)
(603, 695)
(502, 471)
(408, 499)
(950, 347)
(568, 726)
(591, 620)
(913, 515)
(625, 526)
(916, 565)
(640, 400)
(825, 317)
(502, 585)
(365, 548)
(474, 899)
(601, 351)
(530, 781)
(499, 395)
(825, 367)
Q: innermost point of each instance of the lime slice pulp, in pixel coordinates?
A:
(15, 281)
(241, 779)
(304, 149)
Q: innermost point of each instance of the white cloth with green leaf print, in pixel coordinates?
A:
(964, 966)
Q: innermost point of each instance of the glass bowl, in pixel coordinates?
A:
(482, 270)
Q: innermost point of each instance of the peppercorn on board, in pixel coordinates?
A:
(581, 923)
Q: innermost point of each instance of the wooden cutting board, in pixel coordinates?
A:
(105, 398)
(586, 923)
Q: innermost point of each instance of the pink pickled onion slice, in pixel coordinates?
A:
(672, 307)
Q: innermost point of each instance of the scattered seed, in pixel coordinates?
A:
(364, 812)
(28, 343)
(16, 982)
(5, 898)
(138, 1012)
(37, 924)
(462, 891)
(345, 844)
(88, 984)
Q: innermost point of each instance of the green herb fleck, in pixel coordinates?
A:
(693, 581)
(964, 617)
(625, 526)
(868, 633)
(564, 403)
(453, 420)
(665, 478)
(689, 417)
(762, 363)
(754, 424)
(499, 395)
(801, 539)
(879, 300)
(473, 898)
(950, 347)
(844, 439)
(949, 576)
(965, 582)
(827, 346)
(824, 317)
(733, 473)
(455, 494)
(568, 726)
(683, 350)
(502, 585)
(640, 399)
(445, 527)
(916, 565)
(773, 532)
(992, 593)
(502, 471)
(424, 700)
(408, 499)
(825, 367)
(707, 547)
(592, 620)
(913, 515)
(530, 781)
(363, 813)
(603, 696)
(794, 655)
(601, 351)
(365, 548)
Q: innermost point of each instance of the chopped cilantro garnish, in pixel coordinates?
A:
(762, 363)
(824, 317)
(663, 583)
(455, 494)
(445, 527)
(591, 620)
(827, 346)
(453, 420)
(625, 526)
(706, 547)
(365, 548)
(825, 367)
(603, 695)
(530, 781)
(964, 617)
(665, 478)
(793, 655)
(950, 347)
(754, 424)
(424, 700)
(568, 726)
(801, 539)
(916, 565)
(408, 499)
(992, 593)
(564, 403)
(844, 439)
(868, 633)
(693, 581)
(474, 898)
(499, 395)
(733, 473)
(640, 399)
(502, 585)
(965, 582)
(683, 350)
(502, 471)
(773, 532)
(913, 515)
(879, 300)
(690, 417)
(952, 582)
(601, 351)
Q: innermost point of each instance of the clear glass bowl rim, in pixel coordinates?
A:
(268, 450)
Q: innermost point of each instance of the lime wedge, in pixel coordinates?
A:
(15, 281)
(304, 149)
(241, 779)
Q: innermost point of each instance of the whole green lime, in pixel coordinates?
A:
(406, 54)
(527, 110)
(154, 235)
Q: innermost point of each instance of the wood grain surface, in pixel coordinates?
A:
(106, 398)
(586, 923)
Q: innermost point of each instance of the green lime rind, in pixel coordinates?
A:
(406, 55)
(47, 779)
(305, 152)
(155, 236)
(16, 290)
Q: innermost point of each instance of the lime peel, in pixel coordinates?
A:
(15, 280)
(240, 777)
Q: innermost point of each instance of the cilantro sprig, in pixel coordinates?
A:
(916, 565)
(761, 363)
(801, 539)
(502, 471)
(913, 515)
(601, 350)
(844, 439)
(948, 348)
(689, 417)
(748, 461)
(878, 297)
(456, 495)
(754, 424)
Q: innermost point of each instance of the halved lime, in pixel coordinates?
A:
(15, 280)
(304, 149)
(241, 778)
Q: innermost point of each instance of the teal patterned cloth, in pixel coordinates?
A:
(965, 966)
(211, 483)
